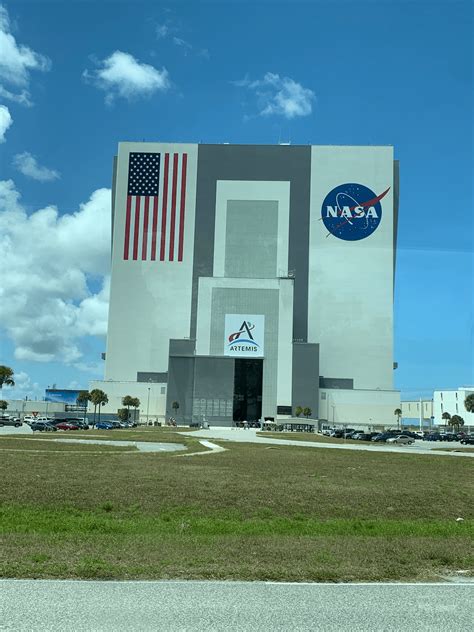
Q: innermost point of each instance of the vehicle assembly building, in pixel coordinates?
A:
(248, 280)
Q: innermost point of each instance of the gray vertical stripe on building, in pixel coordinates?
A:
(305, 385)
(255, 162)
(251, 239)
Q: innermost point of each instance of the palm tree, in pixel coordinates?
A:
(469, 403)
(175, 407)
(298, 411)
(446, 416)
(307, 412)
(6, 377)
(3, 404)
(456, 421)
(82, 399)
(98, 398)
(127, 401)
(103, 400)
(398, 413)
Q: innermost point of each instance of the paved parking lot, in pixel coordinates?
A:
(250, 436)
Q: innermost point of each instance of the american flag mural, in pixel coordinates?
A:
(156, 207)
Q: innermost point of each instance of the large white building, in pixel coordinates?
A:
(248, 280)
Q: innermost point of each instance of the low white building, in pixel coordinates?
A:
(452, 402)
(152, 398)
(418, 412)
(22, 407)
(358, 409)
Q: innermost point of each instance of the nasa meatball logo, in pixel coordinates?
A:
(352, 211)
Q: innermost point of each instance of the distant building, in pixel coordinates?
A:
(418, 413)
(452, 402)
(248, 280)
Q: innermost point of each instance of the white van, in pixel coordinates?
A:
(28, 419)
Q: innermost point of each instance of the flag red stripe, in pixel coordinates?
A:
(154, 228)
(181, 210)
(173, 205)
(165, 202)
(126, 242)
(145, 228)
(135, 228)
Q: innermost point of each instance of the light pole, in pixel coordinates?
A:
(147, 406)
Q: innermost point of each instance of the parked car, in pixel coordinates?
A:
(64, 425)
(104, 425)
(382, 437)
(447, 436)
(82, 425)
(433, 436)
(42, 426)
(364, 436)
(468, 440)
(10, 421)
(401, 439)
(410, 433)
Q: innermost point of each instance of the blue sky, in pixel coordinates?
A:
(388, 72)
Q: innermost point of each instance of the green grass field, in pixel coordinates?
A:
(251, 512)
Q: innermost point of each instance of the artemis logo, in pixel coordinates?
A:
(244, 335)
(352, 211)
(237, 342)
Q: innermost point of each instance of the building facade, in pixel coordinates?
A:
(248, 280)
(418, 413)
(452, 402)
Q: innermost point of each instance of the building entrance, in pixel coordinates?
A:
(248, 374)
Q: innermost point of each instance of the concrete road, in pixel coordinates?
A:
(214, 606)
(11, 430)
(250, 436)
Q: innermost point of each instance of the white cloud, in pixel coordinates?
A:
(162, 31)
(5, 121)
(170, 30)
(280, 96)
(23, 97)
(46, 304)
(17, 61)
(122, 75)
(28, 166)
(23, 386)
(186, 46)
